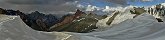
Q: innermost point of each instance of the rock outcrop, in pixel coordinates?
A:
(112, 18)
(137, 11)
(9, 12)
(2, 11)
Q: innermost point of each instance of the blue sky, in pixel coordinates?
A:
(138, 3)
(100, 3)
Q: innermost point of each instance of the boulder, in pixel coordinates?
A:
(159, 20)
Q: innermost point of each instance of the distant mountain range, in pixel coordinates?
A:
(80, 21)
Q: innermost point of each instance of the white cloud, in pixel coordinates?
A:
(109, 9)
(90, 8)
(80, 6)
(146, 0)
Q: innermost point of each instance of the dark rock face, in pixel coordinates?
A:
(41, 22)
(2, 11)
(9, 12)
(35, 20)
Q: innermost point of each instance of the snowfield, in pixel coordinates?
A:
(143, 27)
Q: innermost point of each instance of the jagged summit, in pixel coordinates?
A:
(9, 12)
